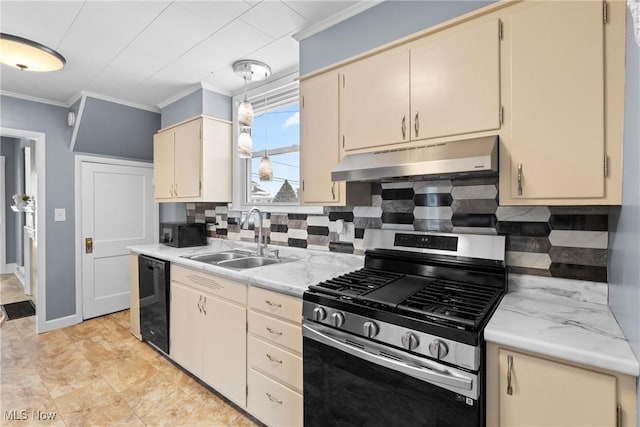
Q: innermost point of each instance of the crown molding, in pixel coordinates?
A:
(33, 98)
(188, 91)
(118, 101)
(336, 19)
(214, 88)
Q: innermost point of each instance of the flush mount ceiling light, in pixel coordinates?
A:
(28, 55)
(249, 70)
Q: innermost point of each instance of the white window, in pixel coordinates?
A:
(275, 133)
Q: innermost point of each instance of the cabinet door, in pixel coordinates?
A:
(225, 348)
(546, 393)
(163, 165)
(374, 101)
(185, 327)
(188, 159)
(557, 100)
(455, 81)
(134, 297)
(319, 138)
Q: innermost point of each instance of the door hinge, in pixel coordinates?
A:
(605, 12)
(606, 165)
(500, 31)
(619, 416)
(501, 114)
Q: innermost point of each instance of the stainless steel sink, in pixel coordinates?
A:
(250, 262)
(217, 257)
(236, 259)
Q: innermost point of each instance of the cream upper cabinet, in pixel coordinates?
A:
(455, 81)
(374, 101)
(528, 390)
(192, 162)
(188, 159)
(565, 72)
(163, 169)
(319, 136)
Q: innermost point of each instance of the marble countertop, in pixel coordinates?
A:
(540, 319)
(310, 267)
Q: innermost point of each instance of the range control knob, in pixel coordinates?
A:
(319, 314)
(438, 349)
(337, 319)
(409, 341)
(370, 329)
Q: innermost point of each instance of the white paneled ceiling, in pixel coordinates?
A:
(145, 52)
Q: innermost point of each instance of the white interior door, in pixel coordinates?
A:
(117, 211)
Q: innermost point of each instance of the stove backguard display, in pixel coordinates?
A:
(443, 243)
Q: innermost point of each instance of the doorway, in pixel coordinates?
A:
(115, 209)
(39, 223)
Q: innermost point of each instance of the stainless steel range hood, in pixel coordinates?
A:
(469, 157)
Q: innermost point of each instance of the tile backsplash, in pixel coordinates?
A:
(568, 242)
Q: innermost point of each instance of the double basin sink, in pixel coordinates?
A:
(236, 259)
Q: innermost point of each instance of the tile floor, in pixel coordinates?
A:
(97, 374)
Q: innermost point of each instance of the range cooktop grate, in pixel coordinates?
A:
(356, 282)
(461, 303)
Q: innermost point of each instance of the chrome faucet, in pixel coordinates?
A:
(261, 250)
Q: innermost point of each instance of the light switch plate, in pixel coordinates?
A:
(60, 214)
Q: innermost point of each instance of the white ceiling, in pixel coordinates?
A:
(146, 52)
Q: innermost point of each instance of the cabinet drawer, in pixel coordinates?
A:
(280, 364)
(275, 303)
(273, 403)
(276, 331)
(214, 285)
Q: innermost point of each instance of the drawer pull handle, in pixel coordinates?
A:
(273, 332)
(200, 304)
(273, 304)
(273, 359)
(273, 399)
(509, 369)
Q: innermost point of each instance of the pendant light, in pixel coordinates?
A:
(245, 144)
(265, 170)
(249, 70)
(28, 55)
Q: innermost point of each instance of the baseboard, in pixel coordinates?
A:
(19, 272)
(9, 268)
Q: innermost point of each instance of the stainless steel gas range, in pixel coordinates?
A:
(400, 341)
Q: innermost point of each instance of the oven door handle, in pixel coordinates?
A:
(441, 376)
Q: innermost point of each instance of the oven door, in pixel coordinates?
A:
(350, 381)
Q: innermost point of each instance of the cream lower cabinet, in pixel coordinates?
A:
(192, 162)
(275, 358)
(564, 68)
(134, 297)
(208, 330)
(545, 392)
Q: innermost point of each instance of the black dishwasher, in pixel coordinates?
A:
(153, 276)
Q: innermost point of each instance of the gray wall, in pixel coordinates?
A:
(60, 238)
(9, 148)
(202, 101)
(116, 130)
(624, 238)
(379, 25)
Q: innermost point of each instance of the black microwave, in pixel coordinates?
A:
(183, 234)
